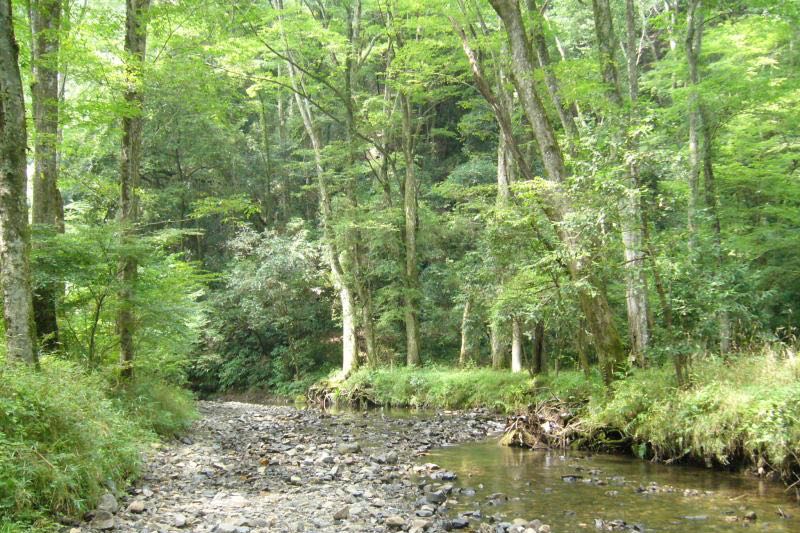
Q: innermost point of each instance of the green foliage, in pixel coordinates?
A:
(62, 440)
(66, 436)
(164, 408)
(269, 325)
(86, 260)
(440, 388)
(740, 410)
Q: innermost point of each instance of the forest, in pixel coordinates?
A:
(448, 204)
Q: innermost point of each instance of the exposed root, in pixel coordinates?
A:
(550, 424)
(321, 394)
(330, 392)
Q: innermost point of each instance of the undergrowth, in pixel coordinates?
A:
(738, 411)
(66, 438)
(458, 389)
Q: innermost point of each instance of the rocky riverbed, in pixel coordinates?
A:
(249, 468)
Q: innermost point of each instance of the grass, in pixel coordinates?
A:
(738, 411)
(460, 389)
(743, 410)
(66, 437)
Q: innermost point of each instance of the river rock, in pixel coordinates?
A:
(420, 524)
(348, 447)
(103, 520)
(295, 471)
(455, 523)
(108, 503)
(395, 521)
(179, 520)
(136, 507)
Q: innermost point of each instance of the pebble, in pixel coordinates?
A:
(179, 520)
(246, 468)
(136, 507)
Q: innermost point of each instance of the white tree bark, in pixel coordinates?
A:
(349, 341)
(516, 346)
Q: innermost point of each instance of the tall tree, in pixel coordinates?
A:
(15, 274)
(630, 207)
(45, 22)
(701, 153)
(694, 35)
(410, 217)
(136, 12)
(593, 300)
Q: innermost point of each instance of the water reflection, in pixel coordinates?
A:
(570, 491)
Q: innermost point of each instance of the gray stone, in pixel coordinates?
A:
(342, 514)
(102, 520)
(108, 503)
(348, 447)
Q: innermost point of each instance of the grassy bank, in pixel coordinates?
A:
(743, 411)
(67, 437)
(459, 389)
(739, 411)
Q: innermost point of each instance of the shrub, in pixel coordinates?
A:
(438, 388)
(61, 441)
(166, 409)
(744, 410)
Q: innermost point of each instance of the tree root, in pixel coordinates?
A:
(549, 424)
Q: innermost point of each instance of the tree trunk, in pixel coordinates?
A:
(516, 346)
(582, 347)
(503, 172)
(635, 282)
(353, 235)
(712, 205)
(607, 47)
(593, 301)
(411, 311)
(701, 156)
(630, 206)
(497, 345)
(694, 24)
(632, 50)
(349, 343)
(565, 113)
(466, 347)
(47, 206)
(537, 357)
(15, 243)
(130, 166)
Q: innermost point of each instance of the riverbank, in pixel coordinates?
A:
(248, 468)
(739, 412)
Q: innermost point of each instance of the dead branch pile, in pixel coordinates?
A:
(550, 424)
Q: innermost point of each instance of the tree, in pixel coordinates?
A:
(48, 211)
(130, 169)
(14, 230)
(593, 300)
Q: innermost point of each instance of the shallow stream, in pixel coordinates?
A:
(571, 492)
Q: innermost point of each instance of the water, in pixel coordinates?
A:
(703, 500)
